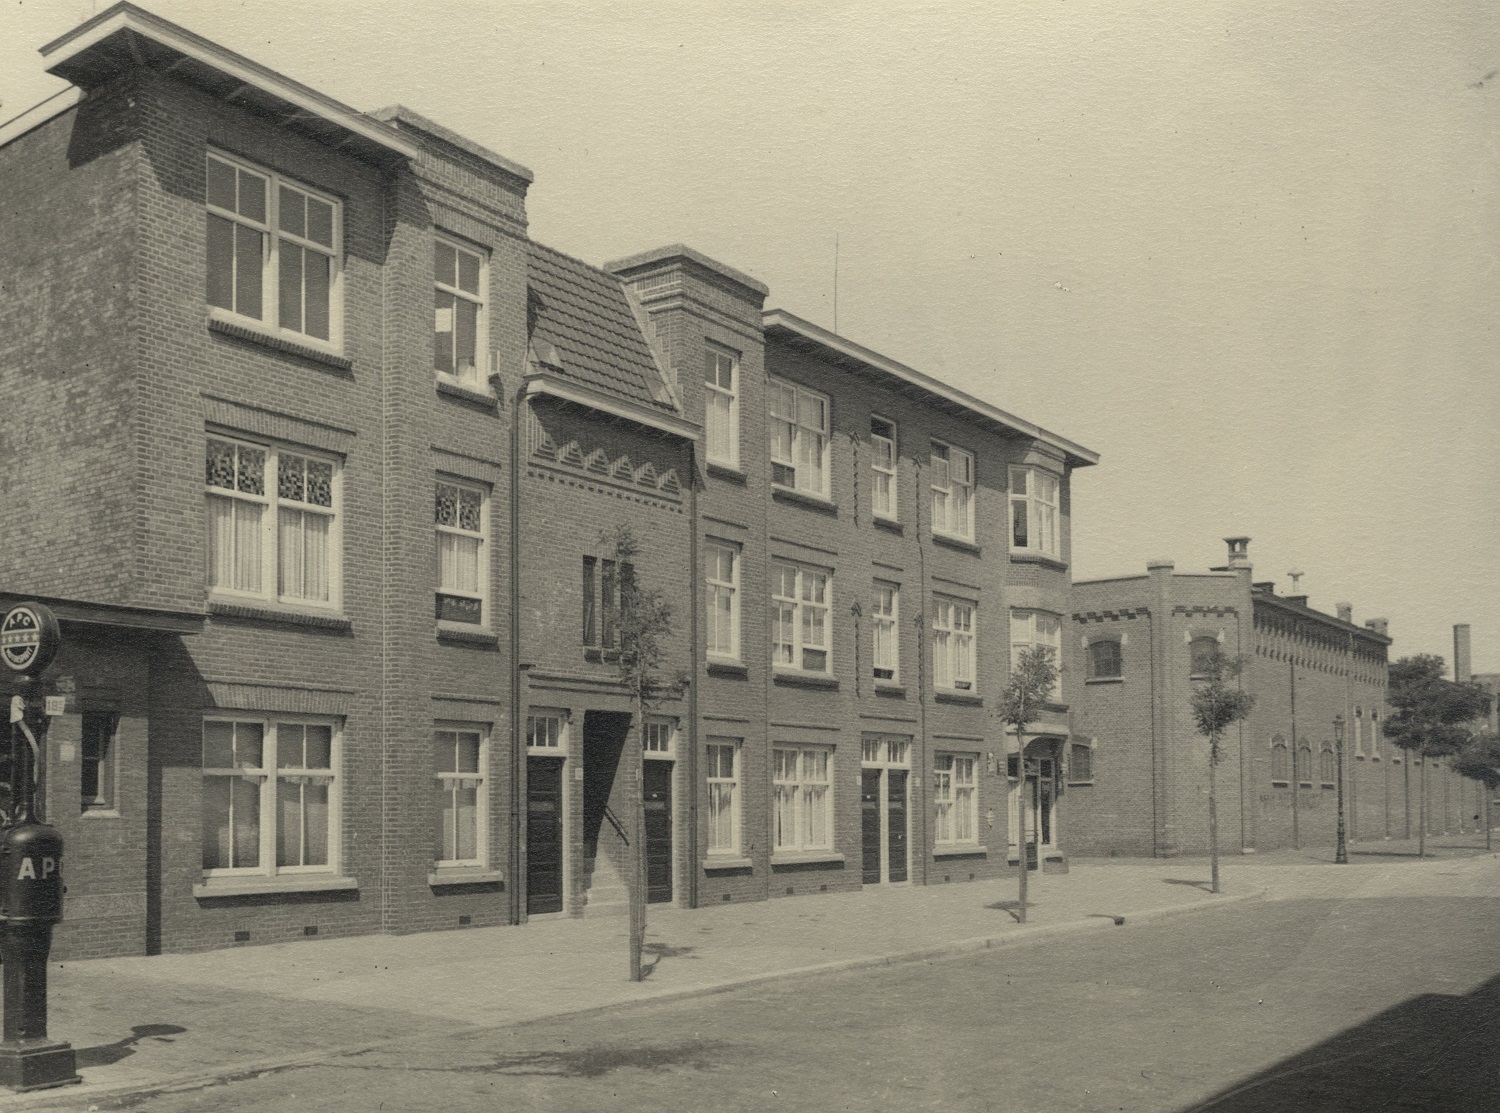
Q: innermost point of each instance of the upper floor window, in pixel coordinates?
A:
(605, 583)
(273, 250)
(1104, 659)
(458, 275)
(799, 617)
(461, 767)
(1029, 629)
(885, 631)
(799, 438)
(952, 491)
(459, 516)
(721, 406)
(883, 468)
(1034, 511)
(1201, 652)
(1281, 771)
(722, 581)
(953, 645)
(274, 542)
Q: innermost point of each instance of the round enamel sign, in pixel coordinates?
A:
(29, 638)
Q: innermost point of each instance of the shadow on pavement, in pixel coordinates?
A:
(661, 951)
(1011, 906)
(108, 1054)
(1429, 1052)
(1204, 885)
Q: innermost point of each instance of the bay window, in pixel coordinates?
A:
(1034, 512)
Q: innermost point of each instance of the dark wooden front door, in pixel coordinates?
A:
(869, 824)
(544, 835)
(895, 797)
(657, 783)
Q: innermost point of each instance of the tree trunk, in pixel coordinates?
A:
(637, 881)
(1021, 835)
(1213, 816)
(1488, 792)
(1422, 808)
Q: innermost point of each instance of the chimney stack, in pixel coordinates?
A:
(1462, 664)
(1346, 612)
(1379, 626)
(1239, 553)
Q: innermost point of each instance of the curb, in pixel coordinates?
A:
(86, 1096)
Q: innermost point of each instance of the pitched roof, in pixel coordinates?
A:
(586, 315)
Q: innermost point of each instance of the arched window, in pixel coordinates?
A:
(1325, 761)
(1280, 767)
(1304, 764)
(1200, 654)
(1104, 660)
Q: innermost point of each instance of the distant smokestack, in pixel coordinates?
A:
(1239, 552)
(1379, 625)
(1346, 612)
(1462, 664)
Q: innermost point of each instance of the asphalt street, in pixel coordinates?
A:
(1380, 1003)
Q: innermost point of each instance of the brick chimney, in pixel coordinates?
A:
(1239, 553)
(1346, 612)
(1379, 626)
(1462, 662)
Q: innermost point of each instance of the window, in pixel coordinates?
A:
(275, 543)
(952, 491)
(722, 577)
(953, 792)
(804, 810)
(605, 584)
(657, 737)
(724, 796)
(721, 406)
(1304, 764)
(952, 645)
(1281, 771)
(885, 630)
(1037, 628)
(544, 732)
(883, 468)
(459, 516)
(97, 760)
(273, 250)
(799, 438)
(1375, 733)
(1326, 765)
(460, 762)
(458, 275)
(1201, 654)
(270, 795)
(1104, 660)
(1033, 511)
(799, 618)
(1358, 730)
(1081, 762)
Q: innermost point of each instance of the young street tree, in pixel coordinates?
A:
(1032, 679)
(645, 623)
(1428, 717)
(1480, 761)
(1218, 703)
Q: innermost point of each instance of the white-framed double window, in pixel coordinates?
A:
(723, 766)
(799, 421)
(460, 765)
(461, 521)
(885, 631)
(270, 794)
(800, 608)
(460, 291)
(273, 522)
(952, 491)
(955, 796)
(883, 489)
(721, 574)
(274, 251)
(803, 819)
(1037, 628)
(953, 665)
(1034, 512)
(721, 406)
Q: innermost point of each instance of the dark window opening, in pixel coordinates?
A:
(590, 610)
(1104, 659)
(1201, 652)
(1082, 763)
(98, 760)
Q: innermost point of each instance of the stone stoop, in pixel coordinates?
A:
(604, 891)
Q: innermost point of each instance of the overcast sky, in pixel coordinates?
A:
(1246, 251)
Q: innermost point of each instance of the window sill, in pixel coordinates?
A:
(812, 858)
(270, 886)
(887, 523)
(1025, 556)
(478, 638)
(805, 498)
(1056, 708)
(958, 850)
(712, 864)
(1081, 784)
(1104, 680)
(962, 698)
(728, 668)
(727, 471)
(890, 689)
(473, 396)
(280, 343)
(1328, 784)
(962, 544)
(805, 679)
(1281, 784)
(463, 875)
(283, 617)
(99, 813)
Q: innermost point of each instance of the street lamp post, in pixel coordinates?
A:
(1341, 853)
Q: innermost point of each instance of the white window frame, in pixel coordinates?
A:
(953, 488)
(1036, 495)
(799, 449)
(659, 739)
(267, 775)
(885, 500)
(272, 504)
(722, 783)
(954, 638)
(718, 590)
(458, 532)
(795, 617)
(805, 793)
(105, 799)
(1027, 630)
(477, 378)
(456, 782)
(270, 249)
(723, 400)
(885, 632)
(955, 795)
(550, 724)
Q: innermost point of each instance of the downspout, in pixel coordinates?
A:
(920, 804)
(698, 656)
(517, 741)
(1296, 755)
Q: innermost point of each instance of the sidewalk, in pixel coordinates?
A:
(145, 1024)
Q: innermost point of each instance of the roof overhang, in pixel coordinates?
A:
(108, 614)
(808, 337)
(1299, 610)
(543, 384)
(125, 37)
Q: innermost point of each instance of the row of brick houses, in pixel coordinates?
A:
(335, 479)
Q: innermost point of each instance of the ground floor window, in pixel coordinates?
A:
(97, 760)
(460, 760)
(803, 818)
(954, 794)
(724, 796)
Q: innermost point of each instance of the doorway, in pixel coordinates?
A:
(885, 825)
(657, 787)
(544, 835)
